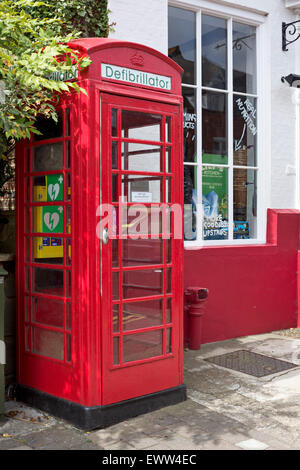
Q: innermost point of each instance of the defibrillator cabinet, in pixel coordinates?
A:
(99, 242)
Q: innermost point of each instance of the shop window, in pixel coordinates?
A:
(220, 125)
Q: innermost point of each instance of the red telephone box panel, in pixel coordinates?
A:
(99, 245)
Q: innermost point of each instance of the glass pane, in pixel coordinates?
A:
(214, 52)
(27, 308)
(115, 318)
(48, 343)
(215, 203)
(115, 286)
(141, 157)
(142, 283)
(169, 340)
(27, 250)
(182, 41)
(169, 281)
(169, 311)
(27, 279)
(27, 338)
(49, 128)
(48, 219)
(244, 130)
(48, 250)
(115, 253)
(190, 202)
(143, 126)
(244, 204)
(114, 188)
(142, 314)
(168, 129)
(27, 189)
(68, 188)
(67, 121)
(68, 316)
(142, 252)
(214, 128)
(68, 154)
(47, 311)
(189, 125)
(138, 220)
(142, 346)
(114, 155)
(27, 214)
(142, 189)
(68, 252)
(114, 122)
(68, 284)
(168, 160)
(48, 157)
(49, 281)
(244, 58)
(48, 188)
(116, 359)
(69, 348)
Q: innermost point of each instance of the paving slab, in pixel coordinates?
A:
(225, 410)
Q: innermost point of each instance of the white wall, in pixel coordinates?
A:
(145, 21)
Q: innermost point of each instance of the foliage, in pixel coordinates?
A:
(89, 17)
(31, 49)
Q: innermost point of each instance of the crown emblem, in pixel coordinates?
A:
(137, 59)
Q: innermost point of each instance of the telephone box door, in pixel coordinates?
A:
(141, 247)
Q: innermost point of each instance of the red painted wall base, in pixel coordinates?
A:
(252, 289)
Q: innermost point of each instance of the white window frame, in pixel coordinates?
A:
(263, 95)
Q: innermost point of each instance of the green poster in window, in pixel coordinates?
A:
(54, 185)
(52, 219)
(215, 202)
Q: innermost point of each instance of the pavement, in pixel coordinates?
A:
(225, 409)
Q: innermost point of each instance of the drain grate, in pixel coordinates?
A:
(251, 363)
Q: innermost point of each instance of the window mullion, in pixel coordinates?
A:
(230, 127)
(199, 125)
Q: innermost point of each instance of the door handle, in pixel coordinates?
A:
(105, 236)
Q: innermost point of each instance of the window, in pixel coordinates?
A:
(221, 102)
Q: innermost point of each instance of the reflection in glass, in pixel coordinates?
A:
(142, 314)
(48, 312)
(189, 124)
(142, 252)
(49, 128)
(48, 343)
(182, 42)
(141, 157)
(214, 52)
(214, 128)
(114, 122)
(190, 202)
(115, 286)
(142, 283)
(244, 130)
(143, 126)
(116, 359)
(142, 345)
(48, 281)
(48, 157)
(244, 204)
(115, 309)
(244, 58)
(114, 155)
(215, 203)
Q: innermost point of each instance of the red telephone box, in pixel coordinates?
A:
(100, 306)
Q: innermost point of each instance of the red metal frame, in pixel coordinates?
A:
(91, 377)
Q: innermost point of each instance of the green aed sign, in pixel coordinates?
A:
(136, 77)
(52, 217)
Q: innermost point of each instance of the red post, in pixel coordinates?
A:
(196, 297)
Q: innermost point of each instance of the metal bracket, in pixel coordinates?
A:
(289, 29)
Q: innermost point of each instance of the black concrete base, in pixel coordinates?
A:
(98, 417)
